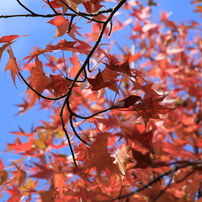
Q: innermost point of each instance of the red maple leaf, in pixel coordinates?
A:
(62, 45)
(92, 5)
(41, 171)
(115, 65)
(38, 79)
(98, 82)
(127, 102)
(150, 108)
(59, 85)
(62, 25)
(143, 159)
(14, 193)
(100, 157)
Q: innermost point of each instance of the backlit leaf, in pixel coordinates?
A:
(59, 85)
(38, 79)
(60, 183)
(98, 82)
(12, 65)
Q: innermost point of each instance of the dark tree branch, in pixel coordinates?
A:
(70, 24)
(81, 14)
(169, 183)
(74, 130)
(66, 102)
(67, 136)
(115, 9)
(176, 168)
(111, 26)
(27, 9)
(53, 9)
(40, 95)
(88, 16)
(37, 15)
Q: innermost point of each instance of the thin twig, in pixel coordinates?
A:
(36, 15)
(58, 14)
(81, 14)
(88, 66)
(74, 130)
(115, 9)
(176, 168)
(40, 95)
(27, 9)
(167, 186)
(110, 29)
(53, 9)
(67, 136)
(70, 24)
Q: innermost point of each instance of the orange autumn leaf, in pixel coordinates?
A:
(33, 55)
(3, 173)
(2, 48)
(109, 74)
(82, 151)
(60, 184)
(76, 65)
(147, 88)
(135, 57)
(47, 195)
(20, 147)
(62, 25)
(38, 79)
(9, 38)
(62, 45)
(12, 65)
(123, 67)
(94, 194)
(28, 102)
(53, 3)
(15, 193)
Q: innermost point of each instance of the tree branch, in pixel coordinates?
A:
(27, 9)
(176, 168)
(53, 9)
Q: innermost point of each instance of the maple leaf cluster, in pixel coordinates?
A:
(131, 121)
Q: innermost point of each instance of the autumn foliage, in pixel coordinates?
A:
(124, 95)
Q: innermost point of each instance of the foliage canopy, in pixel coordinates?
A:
(123, 93)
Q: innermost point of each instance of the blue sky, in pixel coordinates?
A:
(34, 27)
